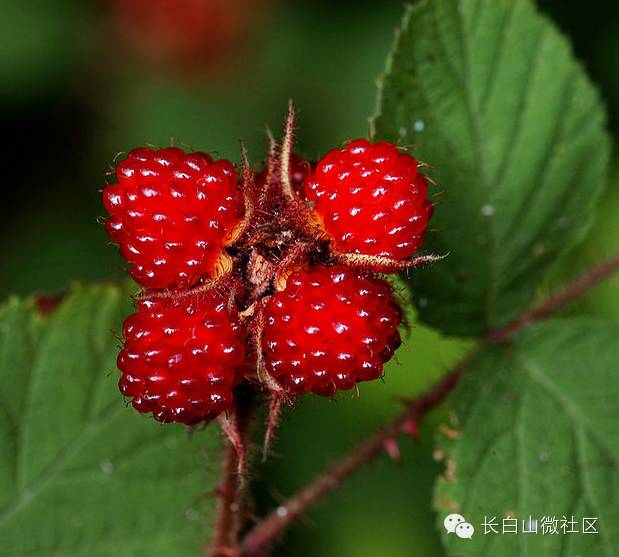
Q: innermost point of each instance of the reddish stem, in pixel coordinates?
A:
(571, 291)
(230, 514)
(229, 507)
(261, 537)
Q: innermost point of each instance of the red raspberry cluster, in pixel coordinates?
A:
(270, 280)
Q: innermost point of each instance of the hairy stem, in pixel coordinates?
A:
(230, 514)
(261, 537)
(229, 507)
(571, 291)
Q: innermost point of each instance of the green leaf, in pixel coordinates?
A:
(489, 94)
(533, 434)
(601, 243)
(81, 475)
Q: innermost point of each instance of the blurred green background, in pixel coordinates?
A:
(82, 81)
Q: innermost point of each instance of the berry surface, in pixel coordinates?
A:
(181, 358)
(371, 199)
(172, 213)
(329, 328)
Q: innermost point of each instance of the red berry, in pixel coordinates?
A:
(371, 199)
(172, 213)
(328, 329)
(181, 358)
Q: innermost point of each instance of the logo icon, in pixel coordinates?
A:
(457, 524)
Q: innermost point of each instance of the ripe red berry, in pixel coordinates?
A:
(329, 328)
(181, 358)
(371, 200)
(172, 213)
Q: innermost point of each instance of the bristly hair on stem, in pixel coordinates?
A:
(380, 264)
(286, 152)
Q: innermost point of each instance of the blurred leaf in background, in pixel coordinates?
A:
(43, 47)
